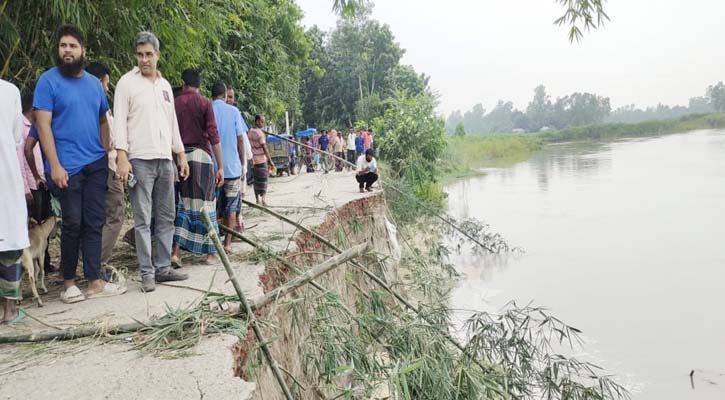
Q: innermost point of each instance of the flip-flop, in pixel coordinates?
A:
(72, 295)
(18, 318)
(217, 261)
(176, 262)
(109, 290)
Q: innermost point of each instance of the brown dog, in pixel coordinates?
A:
(33, 258)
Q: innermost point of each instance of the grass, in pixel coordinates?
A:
(466, 155)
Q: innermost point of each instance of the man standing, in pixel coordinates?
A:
(232, 101)
(146, 134)
(359, 145)
(322, 143)
(350, 148)
(198, 129)
(114, 195)
(14, 227)
(70, 110)
(367, 171)
(232, 132)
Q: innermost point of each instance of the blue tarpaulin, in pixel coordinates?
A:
(306, 132)
(275, 139)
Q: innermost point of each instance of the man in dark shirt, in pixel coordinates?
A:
(199, 134)
(323, 142)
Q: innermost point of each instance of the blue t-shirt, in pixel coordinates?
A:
(77, 105)
(230, 124)
(323, 141)
(359, 144)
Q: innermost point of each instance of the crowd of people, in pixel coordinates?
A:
(176, 152)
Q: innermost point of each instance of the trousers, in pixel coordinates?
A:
(153, 196)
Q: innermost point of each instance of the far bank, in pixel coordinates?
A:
(466, 155)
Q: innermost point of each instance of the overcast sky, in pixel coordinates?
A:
(480, 51)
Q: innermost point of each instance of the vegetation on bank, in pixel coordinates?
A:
(465, 154)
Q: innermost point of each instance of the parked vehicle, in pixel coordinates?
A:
(279, 150)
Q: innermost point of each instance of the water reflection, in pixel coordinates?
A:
(623, 240)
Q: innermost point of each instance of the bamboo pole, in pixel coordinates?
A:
(369, 274)
(311, 274)
(256, 304)
(269, 251)
(382, 182)
(252, 319)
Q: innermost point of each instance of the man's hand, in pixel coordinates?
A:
(123, 167)
(220, 177)
(59, 177)
(29, 198)
(183, 167)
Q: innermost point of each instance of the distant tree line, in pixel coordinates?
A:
(576, 109)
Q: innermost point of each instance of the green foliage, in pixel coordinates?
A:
(352, 71)
(581, 15)
(465, 154)
(716, 95)
(256, 46)
(460, 130)
(411, 139)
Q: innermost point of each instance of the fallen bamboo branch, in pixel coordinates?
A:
(312, 273)
(370, 275)
(269, 251)
(251, 318)
(297, 270)
(256, 303)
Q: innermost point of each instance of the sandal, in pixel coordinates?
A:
(216, 261)
(109, 290)
(176, 262)
(72, 295)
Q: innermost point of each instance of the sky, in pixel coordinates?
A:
(480, 51)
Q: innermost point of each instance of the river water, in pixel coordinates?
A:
(623, 240)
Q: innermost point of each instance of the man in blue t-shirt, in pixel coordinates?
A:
(70, 108)
(322, 143)
(235, 148)
(359, 144)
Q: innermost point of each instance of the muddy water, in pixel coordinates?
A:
(625, 241)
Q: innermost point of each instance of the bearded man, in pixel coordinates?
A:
(70, 109)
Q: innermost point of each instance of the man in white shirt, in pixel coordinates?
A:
(350, 148)
(13, 214)
(147, 135)
(367, 171)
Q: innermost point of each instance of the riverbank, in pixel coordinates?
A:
(124, 366)
(466, 155)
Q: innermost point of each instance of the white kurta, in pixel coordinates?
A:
(13, 211)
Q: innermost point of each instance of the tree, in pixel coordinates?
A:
(539, 111)
(500, 119)
(453, 120)
(411, 138)
(256, 46)
(460, 129)
(580, 109)
(354, 69)
(716, 96)
(699, 105)
(473, 119)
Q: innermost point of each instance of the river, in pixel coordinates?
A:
(623, 240)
